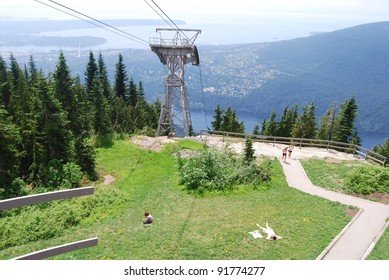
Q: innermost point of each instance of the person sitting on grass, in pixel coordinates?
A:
(149, 219)
(271, 235)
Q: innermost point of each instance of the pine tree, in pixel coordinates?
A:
(90, 73)
(249, 151)
(231, 123)
(344, 121)
(132, 93)
(121, 79)
(59, 139)
(305, 126)
(327, 124)
(33, 71)
(102, 122)
(271, 125)
(63, 86)
(256, 129)
(218, 119)
(10, 153)
(103, 77)
(383, 149)
(288, 119)
(5, 91)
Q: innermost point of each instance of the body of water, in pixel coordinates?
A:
(201, 120)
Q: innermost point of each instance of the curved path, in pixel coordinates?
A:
(360, 236)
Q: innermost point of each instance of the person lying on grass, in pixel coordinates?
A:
(271, 235)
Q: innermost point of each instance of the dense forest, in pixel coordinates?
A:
(50, 124)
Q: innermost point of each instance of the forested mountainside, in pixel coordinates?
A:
(326, 68)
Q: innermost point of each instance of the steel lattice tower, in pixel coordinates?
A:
(175, 52)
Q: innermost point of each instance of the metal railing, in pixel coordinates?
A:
(304, 142)
(46, 197)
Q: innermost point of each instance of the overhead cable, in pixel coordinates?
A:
(95, 22)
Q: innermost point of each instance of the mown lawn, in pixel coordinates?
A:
(188, 227)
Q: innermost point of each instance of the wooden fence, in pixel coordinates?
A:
(46, 197)
(303, 142)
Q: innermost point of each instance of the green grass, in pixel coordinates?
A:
(381, 250)
(214, 226)
(330, 175)
(327, 174)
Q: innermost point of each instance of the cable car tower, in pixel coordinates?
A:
(175, 52)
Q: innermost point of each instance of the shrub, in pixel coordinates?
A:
(214, 170)
(367, 180)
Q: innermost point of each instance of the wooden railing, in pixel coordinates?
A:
(303, 142)
(46, 197)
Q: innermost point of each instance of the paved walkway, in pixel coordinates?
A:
(358, 238)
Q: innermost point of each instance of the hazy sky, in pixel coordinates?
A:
(223, 21)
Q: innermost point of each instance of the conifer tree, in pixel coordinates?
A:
(103, 77)
(305, 126)
(121, 79)
(33, 71)
(288, 119)
(231, 123)
(5, 91)
(327, 124)
(249, 150)
(256, 129)
(10, 152)
(90, 73)
(344, 121)
(218, 119)
(271, 125)
(102, 122)
(132, 93)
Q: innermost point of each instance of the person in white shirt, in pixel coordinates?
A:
(271, 235)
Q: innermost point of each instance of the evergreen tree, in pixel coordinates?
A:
(271, 125)
(326, 124)
(249, 150)
(305, 126)
(231, 123)
(263, 129)
(288, 119)
(344, 121)
(121, 79)
(256, 129)
(102, 122)
(5, 91)
(59, 139)
(383, 150)
(90, 73)
(33, 71)
(103, 77)
(64, 90)
(132, 94)
(218, 119)
(10, 153)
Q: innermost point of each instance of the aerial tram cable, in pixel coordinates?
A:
(159, 14)
(95, 22)
(176, 26)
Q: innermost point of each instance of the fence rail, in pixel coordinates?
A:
(46, 197)
(304, 142)
(54, 251)
(43, 197)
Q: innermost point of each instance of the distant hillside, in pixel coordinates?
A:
(326, 68)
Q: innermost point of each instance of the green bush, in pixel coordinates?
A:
(367, 180)
(214, 170)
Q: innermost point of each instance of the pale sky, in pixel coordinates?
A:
(239, 18)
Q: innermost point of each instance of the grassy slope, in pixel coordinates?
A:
(330, 176)
(189, 227)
